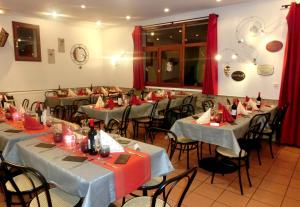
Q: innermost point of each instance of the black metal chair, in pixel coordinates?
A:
(27, 187)
(144, 122)
(94, 98)
(275, 127)
(165, 190)
(25, 103)
(159, 118)
(119, 126)
(207, 104)
(228, 156)
(34, 105)
(182, 144)
(59, 112)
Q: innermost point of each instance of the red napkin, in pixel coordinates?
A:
(110, 104)
(226, 115)
(81, 92)
(154, 96)
(31, 123)
(12, 109)
(135, 100)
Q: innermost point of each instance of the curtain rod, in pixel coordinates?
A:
(285, 6)
(175, 22)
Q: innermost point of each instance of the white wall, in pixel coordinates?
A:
(118, 39)
(21, 76)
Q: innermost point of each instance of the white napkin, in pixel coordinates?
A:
(104, 91)
(21, 110)
(6, 105)
(100, 103)
(204, 118)
(88, 91)
(106, 139)
(252, 104)
(241, 109)
(148, 96)
(44, 117)
(71, 93)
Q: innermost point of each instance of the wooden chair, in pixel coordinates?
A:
(162, 194)
(119, 126)
(243, 156)
(27, 187)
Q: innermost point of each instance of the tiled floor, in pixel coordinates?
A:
(275, 183)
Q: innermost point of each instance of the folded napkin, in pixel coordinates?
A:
(226, 115)
(106, 139)
(148, 96)
(118, 89)
(71, 93)
(103, 91)
(252, 104)
(241, 109)
(135, 100)
(110, 103)
(204, 118)
(31, 123)
(99, 103)
(88, 91)
(81, 92)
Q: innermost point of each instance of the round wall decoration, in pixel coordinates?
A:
(274, 46)
(238, 75)
(79, 54)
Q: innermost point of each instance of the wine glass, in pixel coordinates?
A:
(104, 151)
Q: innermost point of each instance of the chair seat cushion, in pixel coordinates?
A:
(58, 198)
(144, 201)
(23, 183)
(153, 182)
(142, 120)
(185, 140)
(229, 153)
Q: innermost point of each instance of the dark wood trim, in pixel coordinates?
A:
(15, 26)
(198, 44)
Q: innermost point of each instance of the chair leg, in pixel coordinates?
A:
(214, 169)
(198, 158)
(258, 156)
(201, 144)
(240, 177)
(145, 192)
(270, 145)
(209, 146)
(179, 156)
(247, 171)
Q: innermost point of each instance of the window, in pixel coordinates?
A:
(175, 54)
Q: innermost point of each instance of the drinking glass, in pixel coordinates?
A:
(104, 151)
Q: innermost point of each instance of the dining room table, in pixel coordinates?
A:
(224, 134)
(53, 101)
(141, 110)
(12, 132)
(100, 181)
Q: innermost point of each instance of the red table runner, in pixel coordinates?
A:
(128, 177)
(19, 125)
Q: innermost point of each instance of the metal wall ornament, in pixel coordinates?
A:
(227, 70)
(238, 75)
(274, 46)
(79, 54)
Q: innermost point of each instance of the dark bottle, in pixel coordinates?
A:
(142, 95)
(91, 87)
(258, 101)
(59, 87)
(39, 111)
(234, 109)
(91, 139)
(2, 101)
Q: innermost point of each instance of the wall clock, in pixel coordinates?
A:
(79, 54)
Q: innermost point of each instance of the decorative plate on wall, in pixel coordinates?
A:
(79, 54)
(274, 46)
(238, 75)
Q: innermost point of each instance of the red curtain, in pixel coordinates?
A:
(138, 65)
(290, 83)
(210, 82)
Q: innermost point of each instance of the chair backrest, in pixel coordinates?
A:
(59, 112)
(207, 104)
(186, 110)
(187, 100)
(94, 98)
(167, 106)
(167, 187)
(153, 110)
(25, 103)
(125, 118)
(10, 171)
(260, 118)
(35, 104)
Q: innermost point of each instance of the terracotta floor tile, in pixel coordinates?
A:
(232, 199)
(273, 187)
(293, 193)
(248, 191)
(268, 197)
(218, 204)
(289, 202)
(295, 183)
(196, 200)
(280, 179)
(209, 191)
(254, 203)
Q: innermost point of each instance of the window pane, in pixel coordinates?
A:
(170, 66)
(194, 65)
(27, 42)
(163, 36)
(196, 33)
(151, 66)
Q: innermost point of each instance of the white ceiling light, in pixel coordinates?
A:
(218, 57)
(83, 6)
(128, 17)
(54, 14)
(218, 0)
(234, 56)
(1, 11)
(152, 33)
(98, 23)
(166, 10)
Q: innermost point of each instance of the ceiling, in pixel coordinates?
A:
(110, 11)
